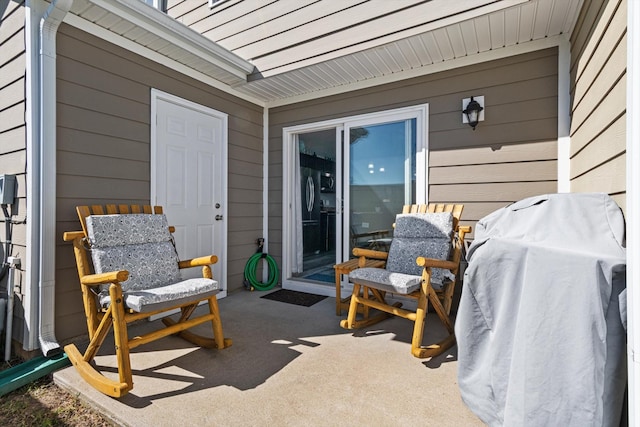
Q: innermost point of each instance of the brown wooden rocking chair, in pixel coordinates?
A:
(425, 252)
(136, 275)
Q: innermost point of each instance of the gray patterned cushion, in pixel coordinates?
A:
(166, 296)
(141, 244)
(138, 243)
(424, 225)
(118, 230)
(149, 264)
(385, 280)
(427, 235)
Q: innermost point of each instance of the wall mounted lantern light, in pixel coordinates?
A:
(473, 111)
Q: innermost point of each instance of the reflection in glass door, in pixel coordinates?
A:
(315, 206)
(382, 178)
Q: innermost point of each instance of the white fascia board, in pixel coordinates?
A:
(125, 43)
(464, 61)
(151, 19)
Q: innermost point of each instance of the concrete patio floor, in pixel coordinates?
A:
(289, 366)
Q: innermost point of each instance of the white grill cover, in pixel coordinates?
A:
(541, 341)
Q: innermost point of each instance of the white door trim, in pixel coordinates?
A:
(157, 95)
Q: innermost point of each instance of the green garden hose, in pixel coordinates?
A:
(250, 271)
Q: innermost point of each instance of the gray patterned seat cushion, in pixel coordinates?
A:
(427, 235)
(142, 245)
(385, 280)
(165, 297)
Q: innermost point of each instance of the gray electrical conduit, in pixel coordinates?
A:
(8, 334)
(5, 268)
(7, 249)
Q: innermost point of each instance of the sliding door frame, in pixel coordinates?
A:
(289, 137)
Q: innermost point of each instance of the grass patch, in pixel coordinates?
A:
(42, 403)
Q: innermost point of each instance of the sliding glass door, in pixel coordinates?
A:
(344, 182)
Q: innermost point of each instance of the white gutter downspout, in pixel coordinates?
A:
(47, 213)
(633, 209)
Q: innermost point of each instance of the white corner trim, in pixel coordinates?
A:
(564, 116)
(104, 34)
(633, 209)
(463, 61)
(265, 178)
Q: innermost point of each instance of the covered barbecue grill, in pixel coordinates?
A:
(541, 337)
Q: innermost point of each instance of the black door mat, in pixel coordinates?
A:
(294, 297)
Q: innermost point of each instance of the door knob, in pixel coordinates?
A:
(218, 217)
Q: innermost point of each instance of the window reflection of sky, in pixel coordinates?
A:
(379, 157)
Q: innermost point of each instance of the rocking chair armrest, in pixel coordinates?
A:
(368, 253)
(197, 262)
(72, 235)
(465, 228)
(462, 230)
(104, 278)
(436, 263)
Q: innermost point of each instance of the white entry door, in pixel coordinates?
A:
(188, 177)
